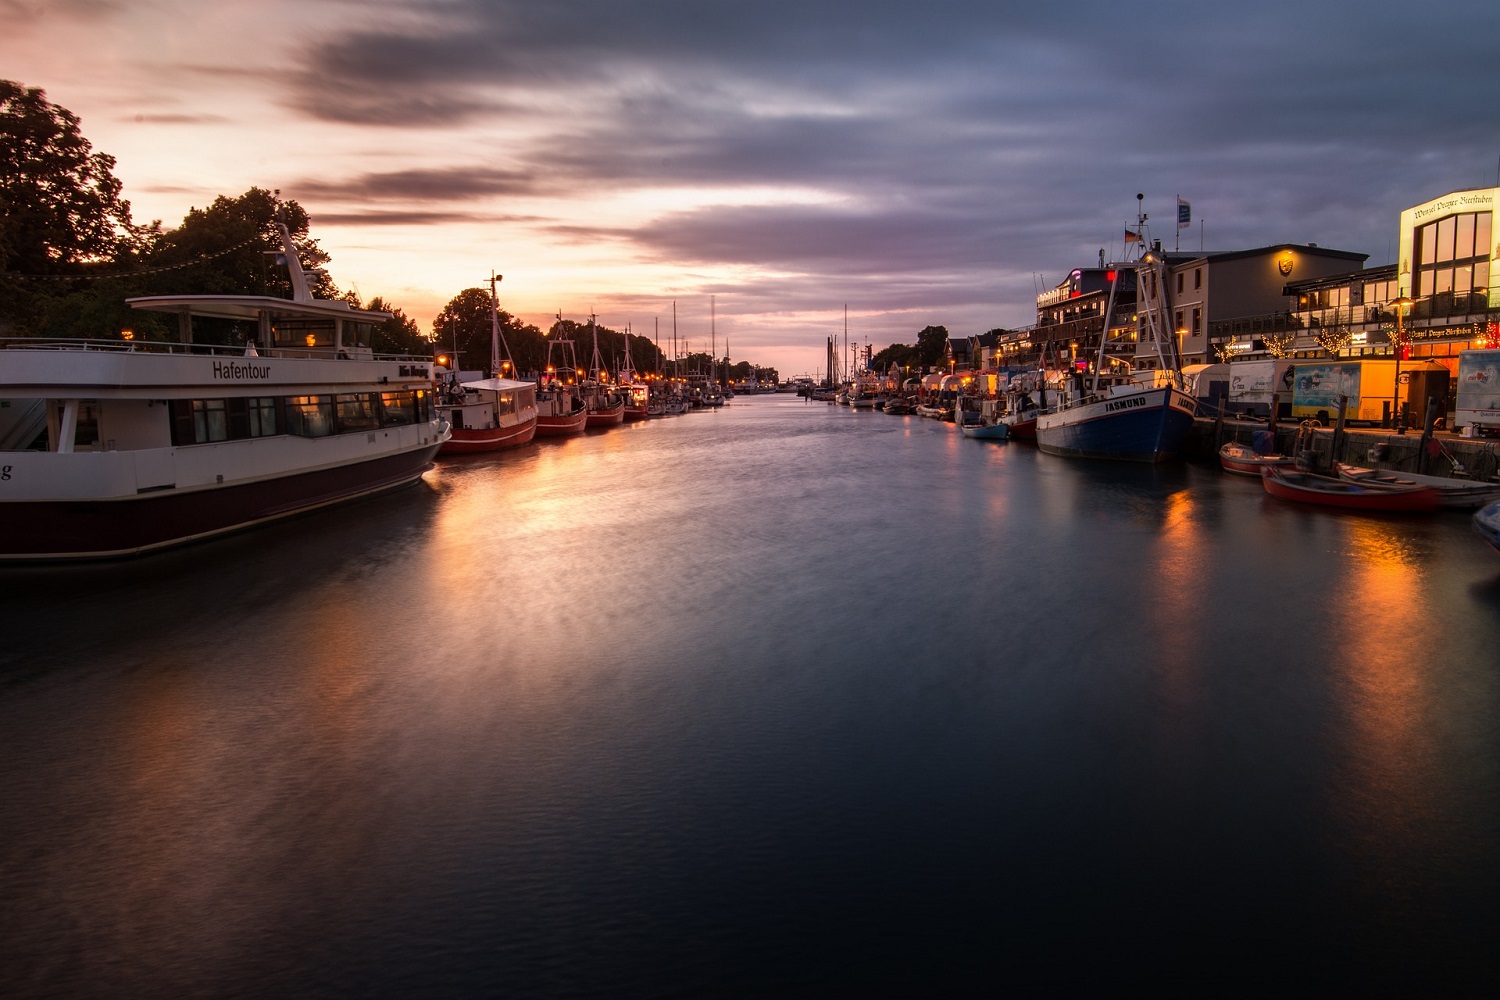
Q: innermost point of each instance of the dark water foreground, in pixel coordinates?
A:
(777, 700)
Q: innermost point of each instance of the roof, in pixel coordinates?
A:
(249, 307)
(1174, 257)
(498, 384)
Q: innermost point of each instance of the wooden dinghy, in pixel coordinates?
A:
(1456, 494)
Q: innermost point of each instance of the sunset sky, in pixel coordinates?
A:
(933, 163)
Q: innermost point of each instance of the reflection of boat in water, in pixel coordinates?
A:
(1142, 416)
(1325, 491)
(493, 413)
(144, 444)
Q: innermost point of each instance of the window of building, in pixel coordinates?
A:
(1453, 263)
(1197, 277)
(1179, 282)
(1197, 320)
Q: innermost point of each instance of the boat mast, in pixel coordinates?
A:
(497, 338)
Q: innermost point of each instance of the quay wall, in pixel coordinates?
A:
(1375, 448)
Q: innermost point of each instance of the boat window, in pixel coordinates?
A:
(310, 416)
(262, 416)
(356, 412)
(210, 420)
(304, 333)
(397, 408)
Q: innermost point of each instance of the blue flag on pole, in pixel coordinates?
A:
(1184, 214)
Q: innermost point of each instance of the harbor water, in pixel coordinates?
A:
(778, 699)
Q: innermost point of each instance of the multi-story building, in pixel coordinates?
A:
(1296, 300)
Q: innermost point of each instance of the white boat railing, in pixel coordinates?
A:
(212, 350)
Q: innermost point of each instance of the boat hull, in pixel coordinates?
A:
(991, 432)
(1453, 494)
(1244, 461)
(126, 526)
(563, 425)
(1148, 426)
(1486, 523)
(1023, 430)
(470, 441)
(1302, 487)
(606, 416)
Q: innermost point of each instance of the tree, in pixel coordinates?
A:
(232, 248)
(60, 203)
(60, 214)
(397, 335)
(932, 345)
(464, 326)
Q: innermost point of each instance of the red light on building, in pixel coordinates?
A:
(1109, 276)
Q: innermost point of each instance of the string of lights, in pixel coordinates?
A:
(142, 271)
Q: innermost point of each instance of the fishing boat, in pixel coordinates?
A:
(124, 445)
(560, 411)
(606, 407)
(637, 392)
(1327, 491)
(1022, 407)
(1137, 416)
(1487, 524)
(1246, 461)
(493, 413)
(1453, 494)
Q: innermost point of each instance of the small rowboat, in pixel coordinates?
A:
(986, 432)
(1455, 494)
(1487, 524)
(1304, 487)
(1246, 461)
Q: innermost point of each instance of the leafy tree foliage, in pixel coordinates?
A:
(397, 335)
(929, 351)
(60, 203)
(60, 211)
(232, 248)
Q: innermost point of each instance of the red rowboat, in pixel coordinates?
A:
(1305, 487)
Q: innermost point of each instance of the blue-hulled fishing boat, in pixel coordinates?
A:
(1141, 415)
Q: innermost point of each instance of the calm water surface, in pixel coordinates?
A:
(781, 699)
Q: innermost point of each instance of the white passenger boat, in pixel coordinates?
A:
(124, 445)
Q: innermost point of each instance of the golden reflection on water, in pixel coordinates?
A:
(1173, 596)
(1385, 652)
